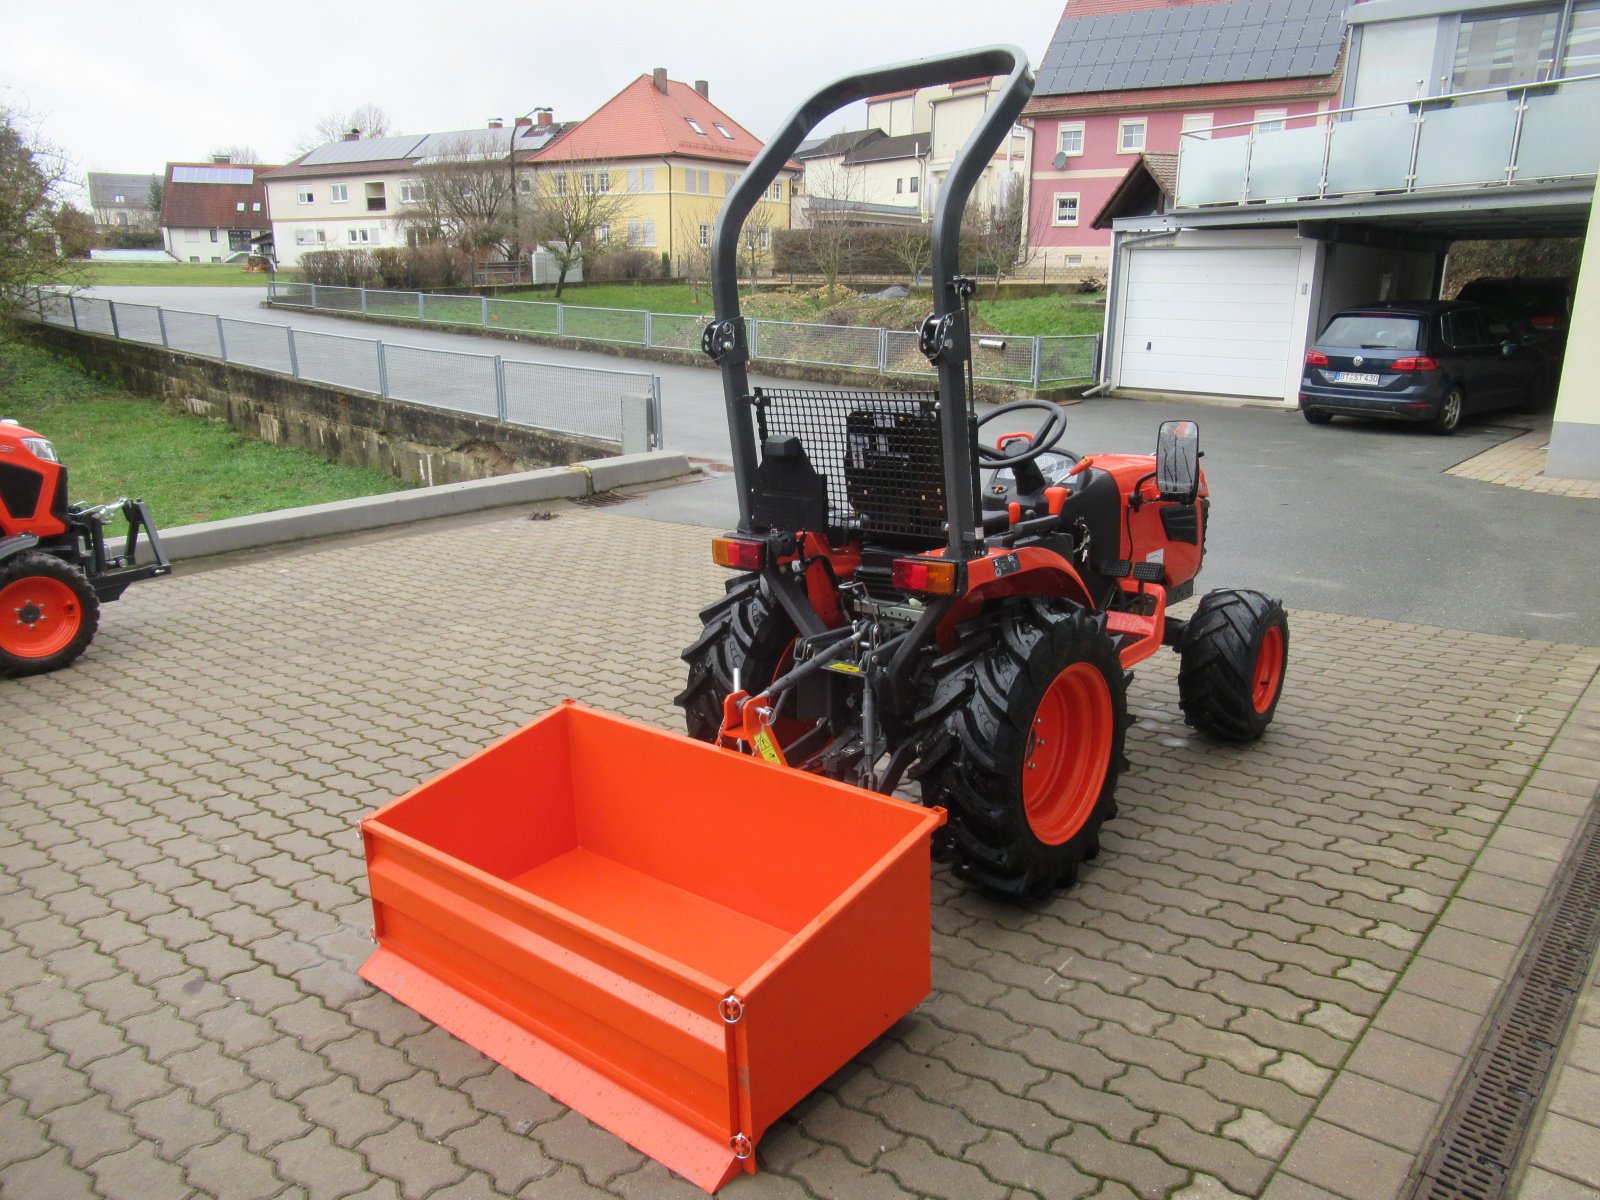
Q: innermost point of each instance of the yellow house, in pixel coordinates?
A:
(670, 156)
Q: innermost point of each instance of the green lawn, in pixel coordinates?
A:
(189, 468)
(664, 297)
(176, 274)
(1038, 315)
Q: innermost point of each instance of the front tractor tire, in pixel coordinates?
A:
(1022, 742)
(745, 631)
(48, 614)
(1233, 656)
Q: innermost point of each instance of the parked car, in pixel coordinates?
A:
(1543, 305)
(1431, 361)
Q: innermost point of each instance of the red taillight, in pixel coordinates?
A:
(1547, 323)
(924, 575)
(1420, 363)
(738, 553)
(1316, 358)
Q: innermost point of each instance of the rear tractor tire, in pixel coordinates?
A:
(1232, 663)
(48, 614)
(745, 631)
(1021, 740)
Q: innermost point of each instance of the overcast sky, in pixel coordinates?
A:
(123, 87)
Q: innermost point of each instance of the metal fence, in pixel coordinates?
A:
(563, 399)
(997, 358)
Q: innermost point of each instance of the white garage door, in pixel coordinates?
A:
(1217, 320)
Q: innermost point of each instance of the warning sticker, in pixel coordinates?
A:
(766, 748)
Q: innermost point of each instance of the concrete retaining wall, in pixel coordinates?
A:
(411, 441)
(420, 504)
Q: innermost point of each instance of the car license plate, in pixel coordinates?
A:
(1355, 377)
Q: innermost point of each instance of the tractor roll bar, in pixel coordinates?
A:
(725, 338)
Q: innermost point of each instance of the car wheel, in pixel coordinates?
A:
(1316, 416)
(1448, 417)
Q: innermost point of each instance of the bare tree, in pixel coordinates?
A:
(369, 120)
(33, 213)
(239, 152)
(464, 193)
(911, 247)
(755, 241)
(999, 227)
(694, 257)
(574, 201)
(833, 241)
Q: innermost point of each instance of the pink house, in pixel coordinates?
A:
(1126, 77)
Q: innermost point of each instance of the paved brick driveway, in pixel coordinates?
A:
(182, 902)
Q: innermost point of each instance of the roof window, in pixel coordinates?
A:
(723, 130)
(695, 125)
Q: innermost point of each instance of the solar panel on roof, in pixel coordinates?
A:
(233, 175)
(1230, 42)
(363, 150)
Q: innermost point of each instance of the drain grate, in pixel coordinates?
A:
(601, 499)
(1482, 1133)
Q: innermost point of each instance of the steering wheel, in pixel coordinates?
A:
(1044, 438)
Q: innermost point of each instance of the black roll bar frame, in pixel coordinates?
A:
(725, 337)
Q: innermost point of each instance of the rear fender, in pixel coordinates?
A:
(16, 544)
(1025, 571)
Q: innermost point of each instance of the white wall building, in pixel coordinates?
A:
(213, 212)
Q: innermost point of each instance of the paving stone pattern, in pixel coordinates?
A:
(1519, 463)
(184, 908)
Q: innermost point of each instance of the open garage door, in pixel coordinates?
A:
(1216, 320)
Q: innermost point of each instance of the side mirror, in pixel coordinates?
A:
(1509, 349)
(1178, 461)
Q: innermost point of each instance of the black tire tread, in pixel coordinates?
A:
(743, 626)
(978, 704)
(35, 562)
(1218, 657)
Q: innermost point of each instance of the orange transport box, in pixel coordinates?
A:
(675, 940)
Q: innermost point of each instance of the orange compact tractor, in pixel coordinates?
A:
(56, 568)
(898, 619)
(680, 937)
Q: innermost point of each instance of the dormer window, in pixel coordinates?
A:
(695, 125)
(722, 129)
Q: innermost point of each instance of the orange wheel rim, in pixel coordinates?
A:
(39, 616)
(1268, 674)
(1068, 754)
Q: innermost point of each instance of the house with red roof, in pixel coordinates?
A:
(213, 212)
(674, 155)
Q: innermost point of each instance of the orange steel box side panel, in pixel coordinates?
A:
(577, 901)
(859, 969)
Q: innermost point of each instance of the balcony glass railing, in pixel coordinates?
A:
(1491, 137)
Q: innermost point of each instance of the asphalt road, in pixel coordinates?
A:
(1345, 518)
